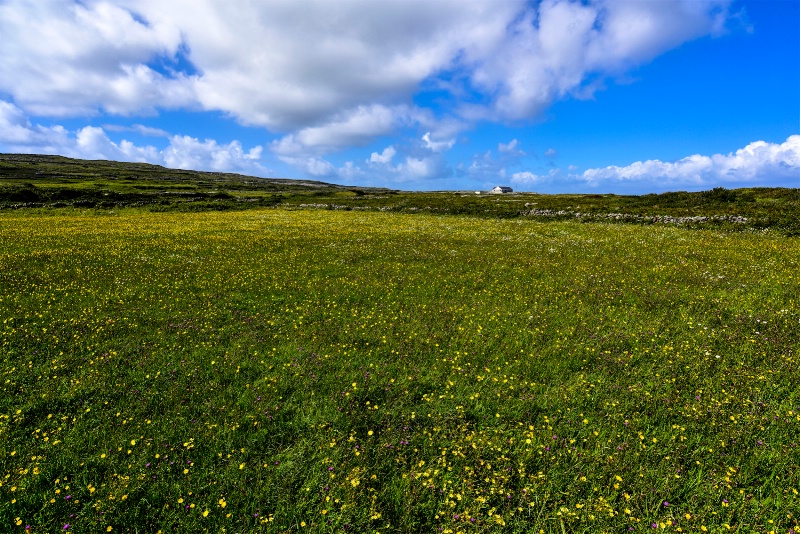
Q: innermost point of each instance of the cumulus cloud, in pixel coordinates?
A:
(420, 168)
(525, 180)
(415, 172)
(512, 147)
(378, 171)
(416, 165)
(330, 75)
(487, 168)
(92, 143)
(319, 167)
(758, 162)
(526, 177)
(185, 152)
(350, 128)
(437, 146)
(19, 135)
(566, 48)
(384, 157)
(75, 59)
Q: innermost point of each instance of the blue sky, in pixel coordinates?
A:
(629, 96)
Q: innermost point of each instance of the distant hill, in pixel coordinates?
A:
(34, 167)
(28, 180)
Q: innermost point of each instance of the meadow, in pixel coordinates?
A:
(278, 370)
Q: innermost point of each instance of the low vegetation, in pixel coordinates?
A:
(52, 182)
(309, 370)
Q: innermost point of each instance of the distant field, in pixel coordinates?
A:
(277, 370)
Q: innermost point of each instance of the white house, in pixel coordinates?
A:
(502, 189)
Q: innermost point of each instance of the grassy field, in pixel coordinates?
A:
(278, 370)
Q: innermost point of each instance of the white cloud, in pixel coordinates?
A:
(92, 143)
(486, 168)
(512, 147)
(332, 74)
(287, 147)
(19, 135)
(384, 157)
(525, 179)
(437, 146)
(14, 124)
(319, 167)
(185, 152)
(550, 153)
(69, 59)
(350, 172)
(316, 58)
(352, 128)
(419, 168)
(757, 163)
(411, 170)
(566, 48)
(414, 170)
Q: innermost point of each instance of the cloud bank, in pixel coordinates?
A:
(752, 163)
(19, 135)
(329, 75)
(758, 163)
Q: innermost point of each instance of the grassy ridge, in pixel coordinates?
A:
(57, 182)
(329, 371)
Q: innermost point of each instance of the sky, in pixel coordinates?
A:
(551, 96)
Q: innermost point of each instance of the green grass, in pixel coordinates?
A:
(349, 371)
